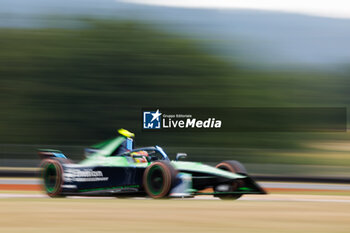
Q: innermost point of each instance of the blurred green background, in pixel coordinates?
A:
(70, 87)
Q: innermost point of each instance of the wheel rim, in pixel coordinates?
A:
(155, 180)
(50, 178)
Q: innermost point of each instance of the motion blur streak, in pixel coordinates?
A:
(109, 215)
(72, 72)
(69, 78)
(328, 8)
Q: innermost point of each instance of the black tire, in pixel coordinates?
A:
(158, 179)
(234, 167)
(52, 176)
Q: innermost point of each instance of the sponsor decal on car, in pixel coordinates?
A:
(83, 175)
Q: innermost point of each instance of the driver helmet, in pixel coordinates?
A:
(140, 156)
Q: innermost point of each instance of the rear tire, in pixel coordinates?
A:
(234, 167)
(158, 179)
(52, 176)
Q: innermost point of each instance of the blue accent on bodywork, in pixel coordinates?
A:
(129, 144)
(161, 151)
(59, 155)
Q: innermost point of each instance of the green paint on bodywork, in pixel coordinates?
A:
(225, 193)
(113, 161)
(101, 144)
(122, 161)
(245, 189)
(110, 147)
(103, 158)
(199, 167)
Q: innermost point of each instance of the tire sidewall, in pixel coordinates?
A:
(57, 190)
(167, 179)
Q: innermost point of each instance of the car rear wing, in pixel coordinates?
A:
(49, 153)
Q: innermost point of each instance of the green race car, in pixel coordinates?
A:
(115, 168)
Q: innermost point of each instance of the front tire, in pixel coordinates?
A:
(158, 179)
(234, 167)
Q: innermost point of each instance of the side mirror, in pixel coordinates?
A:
(180, 155)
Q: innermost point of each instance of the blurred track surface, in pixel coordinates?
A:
(267, 185)
(270, 197)
(266, 213)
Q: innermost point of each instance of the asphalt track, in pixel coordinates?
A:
(283, 213)
(260, 198)
(30, 184)
(34, 184)
(286, 212)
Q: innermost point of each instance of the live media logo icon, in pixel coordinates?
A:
(152, 119)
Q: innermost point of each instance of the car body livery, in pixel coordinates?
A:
(115, 168)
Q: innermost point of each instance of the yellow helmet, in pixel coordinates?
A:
(126, 133)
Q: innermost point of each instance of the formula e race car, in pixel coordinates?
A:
(115, 168)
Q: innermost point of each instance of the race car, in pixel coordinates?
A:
(115, 168)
